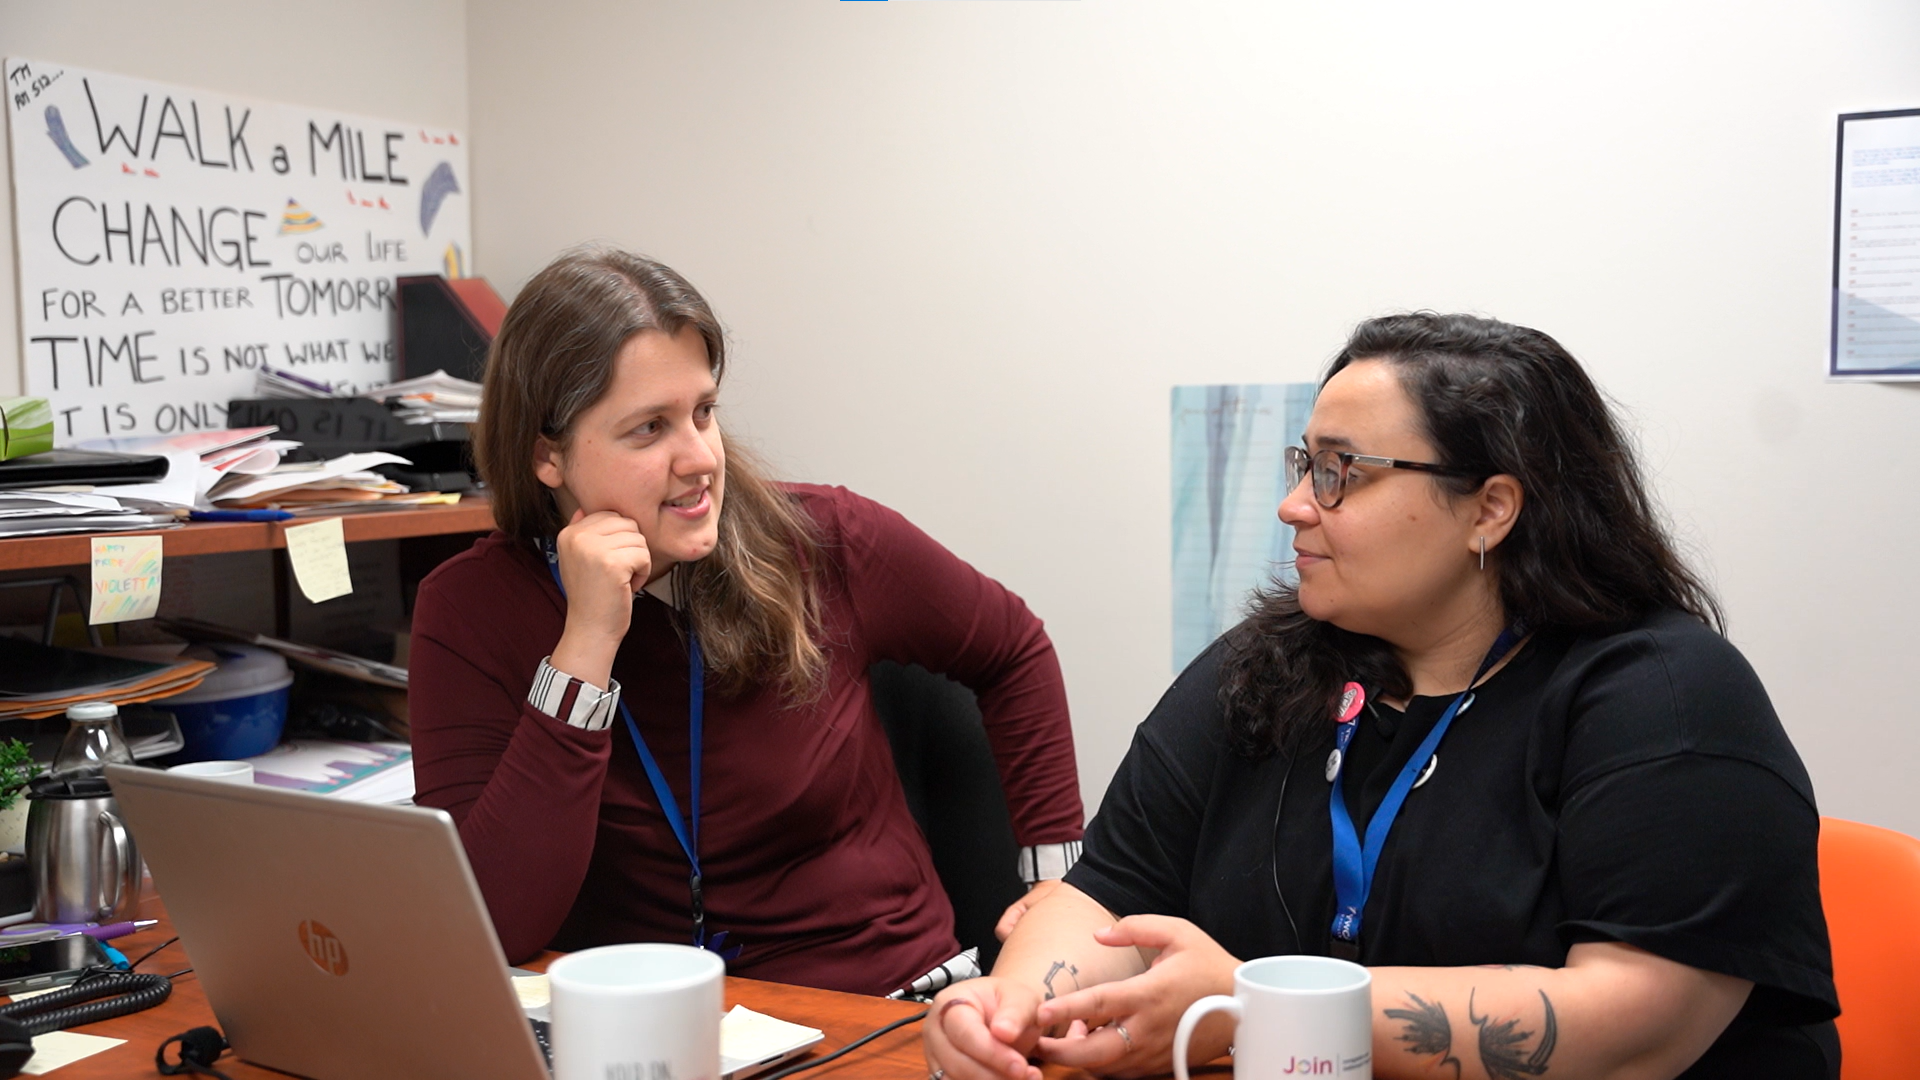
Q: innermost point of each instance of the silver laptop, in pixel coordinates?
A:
(334, 939)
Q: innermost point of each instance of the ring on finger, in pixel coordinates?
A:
(1124, 1037)
(937, 1074)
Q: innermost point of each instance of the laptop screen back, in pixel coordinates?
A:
(333, 939)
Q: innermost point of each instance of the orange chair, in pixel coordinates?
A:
(1870, 888)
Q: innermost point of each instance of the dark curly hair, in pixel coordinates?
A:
(1588, 549)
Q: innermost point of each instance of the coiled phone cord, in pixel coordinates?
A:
(80, 1003)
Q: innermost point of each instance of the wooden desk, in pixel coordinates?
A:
(843, 1017)
(471, 514)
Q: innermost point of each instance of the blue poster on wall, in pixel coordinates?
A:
(1228, 481)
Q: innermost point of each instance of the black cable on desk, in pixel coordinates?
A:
(148, 955)
(850, 1047)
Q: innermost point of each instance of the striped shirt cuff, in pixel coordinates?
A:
(1045, 862)
(571, 701)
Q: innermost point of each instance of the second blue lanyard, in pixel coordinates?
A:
(686, 829)
(1353, 863)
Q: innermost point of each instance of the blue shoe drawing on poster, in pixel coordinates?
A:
(57, 131)
(440, 184)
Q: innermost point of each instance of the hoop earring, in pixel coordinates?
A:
(1483, 553)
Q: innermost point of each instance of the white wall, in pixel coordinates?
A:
(964, 249)
(401, 61)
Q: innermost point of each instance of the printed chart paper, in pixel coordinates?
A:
(1228, 480)
(172, 241)
(126, 578)
(318, 553)
(1876, 248)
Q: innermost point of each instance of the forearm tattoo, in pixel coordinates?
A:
(1428, 1032)
(1072, 973)
(1501, 1044)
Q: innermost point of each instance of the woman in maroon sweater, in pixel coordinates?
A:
(533, 704)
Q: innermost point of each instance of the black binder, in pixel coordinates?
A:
(53, 468)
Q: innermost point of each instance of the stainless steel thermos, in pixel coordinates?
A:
(84, 865)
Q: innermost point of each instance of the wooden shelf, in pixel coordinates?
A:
(207, 538)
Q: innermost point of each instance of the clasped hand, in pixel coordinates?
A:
(604, 562)
(986, 1029)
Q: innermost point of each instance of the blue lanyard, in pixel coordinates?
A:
(685, 829)
(1353, 865)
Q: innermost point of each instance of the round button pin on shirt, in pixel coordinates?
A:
(1426, 773)
(1351, 698)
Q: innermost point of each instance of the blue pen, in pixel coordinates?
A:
(240, 515)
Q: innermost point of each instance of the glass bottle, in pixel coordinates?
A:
(93, 740)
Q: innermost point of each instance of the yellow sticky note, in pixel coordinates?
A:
(318, 553)
(126, 578)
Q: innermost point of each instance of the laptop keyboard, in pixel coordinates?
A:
(543, 1034)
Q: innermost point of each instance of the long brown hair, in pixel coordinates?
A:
(1587, 551)
(753, 599)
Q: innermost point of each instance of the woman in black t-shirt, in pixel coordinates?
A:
(1605, 868)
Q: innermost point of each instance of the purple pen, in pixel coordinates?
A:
(47, 931)
(118, 929)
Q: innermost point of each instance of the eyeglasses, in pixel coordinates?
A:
(1329, 471)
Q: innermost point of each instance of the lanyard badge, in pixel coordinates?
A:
(1354, 862)
(685, 829)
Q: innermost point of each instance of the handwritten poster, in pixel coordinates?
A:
(126, 578)
(1228, 480)
(172, 241)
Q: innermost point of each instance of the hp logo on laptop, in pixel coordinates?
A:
(325, 950)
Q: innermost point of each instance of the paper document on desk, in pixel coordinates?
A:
(750, 1042)
(57, 1048)
(376, 772)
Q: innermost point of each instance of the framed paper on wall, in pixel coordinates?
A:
(1876, 248)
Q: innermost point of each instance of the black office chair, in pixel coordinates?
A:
(953, 789)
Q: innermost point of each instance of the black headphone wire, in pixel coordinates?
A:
(1299, 944)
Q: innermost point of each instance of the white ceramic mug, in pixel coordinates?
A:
(637, 1012)
(1296, 1016)
(233, 772)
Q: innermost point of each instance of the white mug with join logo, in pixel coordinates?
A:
(637, 1012)
(1296, 1016)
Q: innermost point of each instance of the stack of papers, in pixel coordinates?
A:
(408, 501)
(378, 772)
(438, 398)
(41, 680)
(198, 461)
(42, 512)
(345, 479)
